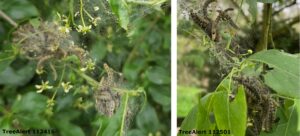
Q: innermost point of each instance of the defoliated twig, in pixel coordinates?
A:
(8, 19)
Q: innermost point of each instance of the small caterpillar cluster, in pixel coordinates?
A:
(204, 24)
(209, 26)
(261, 106)
(204, 10)
(107, 101)
(223, 16)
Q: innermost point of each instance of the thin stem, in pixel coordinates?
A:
(271, 39)
(8, 19)
(281, 96)
(94, 83)
(263, 43)
(71, 9)
(241, 10)
(124, 114)
(81, 13)
(89, 80)
(89, 15)
(61, 78)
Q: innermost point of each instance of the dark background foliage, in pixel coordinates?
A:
(141, 53)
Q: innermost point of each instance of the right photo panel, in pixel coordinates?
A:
(238, 68)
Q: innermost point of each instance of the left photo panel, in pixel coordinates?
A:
(85, 67)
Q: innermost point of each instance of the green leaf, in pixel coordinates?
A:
(267, 1)
(199, 117)
(132, 70)
(31, 102)
(205, 120)
(6, 121)
(161, 95)
(136, 132)
(292, 127)
(120, 9)
(32, 121)
(6, 57)
(98, 51)
(158, 75)
(189, 122)
(285, 77)
(35, 23)
(147, 120)
(286, 62)
(15, 9)
(18, 77)
(65, 128)
(252, 8)
(186, 99)
(282, 83)
(231, 115)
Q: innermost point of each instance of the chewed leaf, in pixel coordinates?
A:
(285, 76)
(232, 115)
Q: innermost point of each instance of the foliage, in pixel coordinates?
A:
(243, 90)
(48, 80)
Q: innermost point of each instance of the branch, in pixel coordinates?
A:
(89, 80)
(241, 10)
(8, 19)
(282, 8)
(267, 14)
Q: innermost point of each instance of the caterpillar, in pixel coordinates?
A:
(270, 114)
(257, 125)
(223, 16)
(204, 24)
(261, 106)
(251, 90)
(106, 101)
(204, 10)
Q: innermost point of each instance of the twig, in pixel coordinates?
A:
(267, 14)
(271, 37)
(271, 40)
(8, 19)
(286, 6)
(241, 10)
(89, 80)
(60, 81)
